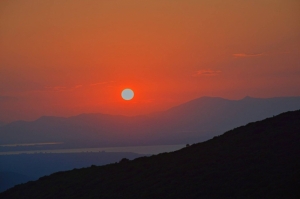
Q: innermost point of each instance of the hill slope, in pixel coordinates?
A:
(191, 122)
(259, 160)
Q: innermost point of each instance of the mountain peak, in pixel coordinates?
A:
(2, 123)
(247, 98)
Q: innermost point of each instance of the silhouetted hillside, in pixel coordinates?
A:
(191, 122)
(259, 160)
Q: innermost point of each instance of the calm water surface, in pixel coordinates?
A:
(134, 149)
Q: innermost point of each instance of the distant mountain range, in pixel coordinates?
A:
(2, 123)
(258, 160)
(191, 122)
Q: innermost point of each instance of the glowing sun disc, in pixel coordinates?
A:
(127, 94)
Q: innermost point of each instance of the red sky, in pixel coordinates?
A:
(69, 57)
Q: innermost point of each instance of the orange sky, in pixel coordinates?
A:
(72, 56)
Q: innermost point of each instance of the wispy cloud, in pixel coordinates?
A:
(78, 86)
(207, 72)
(56, 88)
(62, 88)
(101, 83)
(247, 55)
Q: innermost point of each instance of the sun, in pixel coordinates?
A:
(127, 94)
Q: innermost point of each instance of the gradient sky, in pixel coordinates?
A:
(69, 57)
